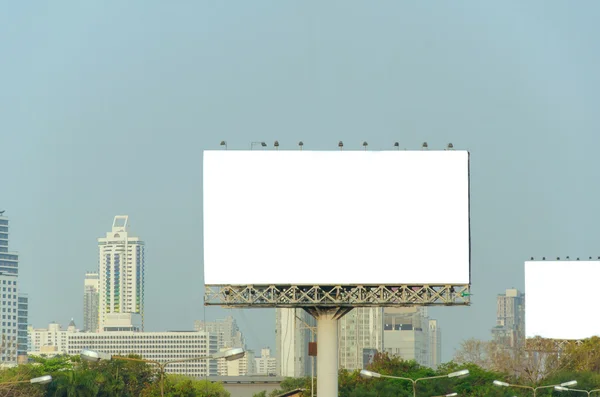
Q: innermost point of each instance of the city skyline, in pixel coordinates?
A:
(107, 110)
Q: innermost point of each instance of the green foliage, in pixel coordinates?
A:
(293, 384)
(260, 394)
(183, 386)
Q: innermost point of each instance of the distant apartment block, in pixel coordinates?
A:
(226, 330)
(12, 342)
(50, 341)
(266, 364)
(91, 302)
(22, 323)
(294, 330)
(510, 318)
(121, 279)
(360, 333)
(411, 335)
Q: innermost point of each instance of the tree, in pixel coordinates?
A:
(75, 383)
(292, 384)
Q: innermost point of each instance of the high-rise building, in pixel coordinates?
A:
(9, 330)
(9, 271)
(121, 284)
(226, 330)
(510, 318)
(22, 323)
(266, 364)
(435, 344)
(91, 286)
(294, 329)
(410, 334)
(360, 333)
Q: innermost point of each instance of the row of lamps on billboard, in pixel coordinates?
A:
(263, 144)
(558, 258)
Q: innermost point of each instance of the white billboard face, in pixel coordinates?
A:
(336, 218)
(549, 312)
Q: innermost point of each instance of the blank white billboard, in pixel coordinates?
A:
(336, 218)
(561, 299)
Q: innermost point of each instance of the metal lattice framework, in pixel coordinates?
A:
(549, 345)
(336, 296)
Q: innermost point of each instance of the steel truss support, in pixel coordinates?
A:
(549, 345)
(336, 296)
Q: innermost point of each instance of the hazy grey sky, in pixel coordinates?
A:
(105, 108)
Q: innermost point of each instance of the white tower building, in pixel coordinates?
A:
(121, 284)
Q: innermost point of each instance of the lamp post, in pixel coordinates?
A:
(229, 355)
(370, 374)
(588, 392)
(224, 143)
(534, 389)
(41, 380)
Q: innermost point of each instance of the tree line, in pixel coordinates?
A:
(545, 364)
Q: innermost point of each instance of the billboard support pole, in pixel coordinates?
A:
(327, 356)
(327, 348)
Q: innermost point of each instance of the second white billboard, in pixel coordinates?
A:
(561, 299)
(336, 218)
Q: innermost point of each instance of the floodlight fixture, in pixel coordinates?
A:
(230, 354)
(369, 374)
(424, 145)
(461, 373)
(300, 144)
(569, 383)
(340, 145)
(94, 356)
(42, 380)
(450, 146)
(365, 144)
(224, 143)
(397, 145)
(276, 144)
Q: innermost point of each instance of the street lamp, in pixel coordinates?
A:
(448, 395)
(262, 144)
(276, 144)
(370, 374)
(365, 144)
(534, 389)
(224, 143)
(300, 144)
(41, 380)
(229, 355)
(588, 392)
(397, 145)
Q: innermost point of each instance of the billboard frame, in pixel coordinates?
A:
(336, 296)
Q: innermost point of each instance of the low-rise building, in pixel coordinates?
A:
(157, 346)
